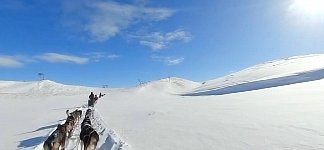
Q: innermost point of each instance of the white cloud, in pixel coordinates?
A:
(156, 14)
(113, 56)
(97, 56)
(178, 35)
(10, 61)
(102, 20)
(169, 60)
(61, 58)
(21, 60)
(156, 45)
(157, 40)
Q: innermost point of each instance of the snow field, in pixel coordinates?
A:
(284, 112)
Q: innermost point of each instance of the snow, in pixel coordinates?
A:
(45, 87)
(279, 105)
(172, 85)
(269, 74)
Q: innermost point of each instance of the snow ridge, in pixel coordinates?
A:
(275, 73)
(46, 87)
(172, 85)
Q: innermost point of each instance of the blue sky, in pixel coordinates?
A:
(117, 43)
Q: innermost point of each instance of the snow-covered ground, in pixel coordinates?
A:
(274, 105)
(267, 75)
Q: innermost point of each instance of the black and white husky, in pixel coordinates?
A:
(88, 135)
(56, 139)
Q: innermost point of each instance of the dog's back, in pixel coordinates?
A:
(88, 135)
(94, 138)
(56, 139)
(70, 122)
(48, 144)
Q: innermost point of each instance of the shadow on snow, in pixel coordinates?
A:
(108, 145)
(41, 128)
(31, 142)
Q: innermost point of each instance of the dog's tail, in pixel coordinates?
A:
(67, 113)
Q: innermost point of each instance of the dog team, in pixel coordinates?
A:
(93, 99)
(88, 136)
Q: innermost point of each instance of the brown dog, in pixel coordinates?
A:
(56, 139)
(69, 123)
(76, 114)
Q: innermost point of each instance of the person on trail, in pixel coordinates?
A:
(91, 99)
(100, 95)
(91, 96)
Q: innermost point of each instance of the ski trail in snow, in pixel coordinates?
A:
(108, 139)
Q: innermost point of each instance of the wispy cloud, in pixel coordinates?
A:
(97, 56)
(101, 20)
(157, 40)
(168, 60)
(61, 58)
(113, 56)
(10, 61)
(15, 61)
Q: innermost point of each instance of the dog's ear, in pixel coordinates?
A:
(59, 126)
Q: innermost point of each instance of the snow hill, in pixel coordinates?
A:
(40, 87)
(274, 105)
(172, 85)
(269, 74)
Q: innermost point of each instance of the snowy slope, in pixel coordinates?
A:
(40, 87)
(277, 115)
(172, 85)
(269, 74)
(286, 117)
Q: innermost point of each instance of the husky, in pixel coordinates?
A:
(70, 122)
(89, 113)
(88, 135)
(76, 114)
(56, 139)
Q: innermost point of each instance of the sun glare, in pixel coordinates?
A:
(308, 7)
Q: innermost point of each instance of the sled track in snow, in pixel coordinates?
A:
(108, 139)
